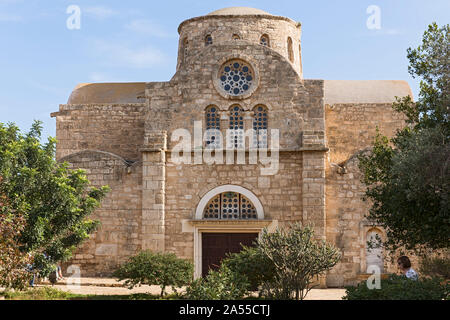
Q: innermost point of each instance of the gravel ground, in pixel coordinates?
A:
(97, 286)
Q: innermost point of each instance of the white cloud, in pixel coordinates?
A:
(99, 12)
(148, 28)
(120, 55)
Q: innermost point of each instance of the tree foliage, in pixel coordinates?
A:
(221, 284)
(13, 262)
(408, 176)
(55, 201)
(436, 265)
(254, 265)
(162, 269)
(297, 258)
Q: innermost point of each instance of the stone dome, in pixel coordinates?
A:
(240, 26)
(238, 11)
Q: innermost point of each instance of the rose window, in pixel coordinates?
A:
(236, 77)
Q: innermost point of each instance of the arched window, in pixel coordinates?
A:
(237, 127)
(265, 40)
(212, 121)
(236, 37)
(230, 206)
(290, 50)
(260, 126)
(208, 40)
(374, 252)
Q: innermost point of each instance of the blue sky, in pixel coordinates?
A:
(41, 60)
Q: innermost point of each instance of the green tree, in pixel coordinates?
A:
(298, 258)
(162, 269)
(55, 201)
(408, 177)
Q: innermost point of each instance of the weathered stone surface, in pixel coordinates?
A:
(128, 146)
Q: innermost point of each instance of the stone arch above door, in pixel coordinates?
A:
(229, 188)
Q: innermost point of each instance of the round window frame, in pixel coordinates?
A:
(217, 82)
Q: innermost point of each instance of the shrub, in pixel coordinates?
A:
(435, 267)
(163, 269)
(222, 284)
(253, 264)
(400, 288)
(298, 258)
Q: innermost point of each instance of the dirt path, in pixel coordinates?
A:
(97, 286)
(102, 286)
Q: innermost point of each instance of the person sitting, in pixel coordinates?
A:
(404, 265)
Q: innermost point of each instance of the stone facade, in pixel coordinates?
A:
(123, 136)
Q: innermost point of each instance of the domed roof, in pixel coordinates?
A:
(238, 11)
(88, 93)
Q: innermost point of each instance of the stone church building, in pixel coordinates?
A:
(238, 68)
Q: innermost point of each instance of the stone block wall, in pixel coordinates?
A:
(119, 235)
(280, 195)
(248, 28)
(350, 129)
(115, 128)
(295, 106)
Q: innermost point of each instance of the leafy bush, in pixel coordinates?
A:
(297, 258)
(163, 269)
(253, 264)
(435, 267)
(400, 288)
(222, 284)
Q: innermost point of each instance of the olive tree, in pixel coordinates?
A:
(297, 257)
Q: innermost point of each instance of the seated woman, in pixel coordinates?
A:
(404, 265)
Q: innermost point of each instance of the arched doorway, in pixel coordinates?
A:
(226, 218)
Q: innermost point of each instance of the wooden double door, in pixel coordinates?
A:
(215, 247)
